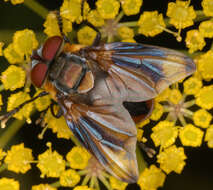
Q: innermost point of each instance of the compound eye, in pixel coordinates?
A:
(38, 74)
(51, 47)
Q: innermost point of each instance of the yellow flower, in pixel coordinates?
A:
(202, 118)
(117, 184)
(15, 100)
(204, 98)
(58, 126)
(51, 164)
(207, 7)
(9, 184)
(52, 28)
(13, 78)
(163, 96)
(69, 178)
(151, 23)
(15, 2)
(71, 10)
(78, 157)
(172, 159)
(11, 55)
(143, 123)
(139, 134)
(175, 96)
(131, 7)
(42, 103)
(43, 187)
(130, 40)
(191, 136)
(164, 134)
(24, 42)
(157, 112)
(95, 18)
(125, 32)
(83, 187)
(209, 136)
(206, 28)
(108, 9)
(86, 35)
(181, 14)
(151, 178)
(1, 46)
(51, 25)
(205, 66)
(192, 85)
(18, 158)
(194, 41)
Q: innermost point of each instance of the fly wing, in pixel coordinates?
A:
(105, 127)
(109, 133)
(145, 70)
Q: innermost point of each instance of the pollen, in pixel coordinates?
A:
(202, 118)
(9, 184)
(207, 7)
(43, 187)
(181, 14)
(151, 23)
(204, 98)
(42, 103)
(58, 125)
(78, 158)
(18, 159)
(11, 55)
(13, 78)
(205, 65)
(164, 134)
(172, 159)
(51, 164)
(108, 9)
(192, 86)
(151, 178)
(86, 35)
(209, 136)
(157, 112)
(125, 32)
(131, 7)
(117, 184)
(69, 178)
(191, 135)
(95, 18)
(24, 42)
(194, 41)
(15, 100)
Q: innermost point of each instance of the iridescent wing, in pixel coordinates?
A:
(145, 70)
(105, 128)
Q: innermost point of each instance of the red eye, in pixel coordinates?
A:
(51, 47)
(38, 74)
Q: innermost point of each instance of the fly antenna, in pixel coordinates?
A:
(4, 118)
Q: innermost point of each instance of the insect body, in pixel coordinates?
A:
(91, 84)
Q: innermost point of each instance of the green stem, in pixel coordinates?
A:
(10, 132)
(105, 182)
(129, 24)
(1, 87)
(36, 7)
(56, 184)
(3, 167)
(86, 179)
(73, 138)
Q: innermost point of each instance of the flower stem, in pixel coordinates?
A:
(129, 24)
(3, 167)
(1, 87)
(10, 132)
(36, 7)
(56, 184)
